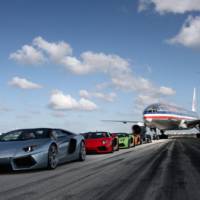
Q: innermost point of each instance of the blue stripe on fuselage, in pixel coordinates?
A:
(173, 113)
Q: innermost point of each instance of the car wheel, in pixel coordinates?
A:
(82, 153)
(52, 157)
(132, 142)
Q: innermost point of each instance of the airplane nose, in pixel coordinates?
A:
(147, 118)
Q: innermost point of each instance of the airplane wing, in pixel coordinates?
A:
(124, 121)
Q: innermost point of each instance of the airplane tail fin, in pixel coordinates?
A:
(194, 101)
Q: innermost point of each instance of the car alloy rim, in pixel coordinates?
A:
(53, 157)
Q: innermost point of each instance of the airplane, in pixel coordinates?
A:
(168, 117)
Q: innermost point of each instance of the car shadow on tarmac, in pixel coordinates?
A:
(8, 171)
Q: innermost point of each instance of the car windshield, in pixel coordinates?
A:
(122, 135)
(26, 134)
(97, 135)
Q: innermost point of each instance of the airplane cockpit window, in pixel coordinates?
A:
(152, 109)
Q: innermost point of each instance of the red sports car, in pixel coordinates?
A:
(98, 142)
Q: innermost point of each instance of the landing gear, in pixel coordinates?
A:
(163, 136)
(153, 130)
(155, 136)
(198, 129)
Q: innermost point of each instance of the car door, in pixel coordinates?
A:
(72, 146)
(62, 139)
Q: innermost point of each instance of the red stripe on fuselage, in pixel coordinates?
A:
(166, 117)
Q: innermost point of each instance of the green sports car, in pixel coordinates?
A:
(125, 140)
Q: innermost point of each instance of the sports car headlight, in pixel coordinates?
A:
(29, 148)
(104, 142)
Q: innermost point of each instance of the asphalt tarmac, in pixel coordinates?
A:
(162, 170)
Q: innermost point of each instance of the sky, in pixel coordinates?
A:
(71, 63)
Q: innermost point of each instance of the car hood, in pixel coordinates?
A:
(123, 138)
(10, 149)
(96, 141)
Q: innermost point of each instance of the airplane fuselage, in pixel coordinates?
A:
(167, 117)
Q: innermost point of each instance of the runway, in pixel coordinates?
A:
(162, 170)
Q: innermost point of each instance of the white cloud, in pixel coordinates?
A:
(143, 86)
(131, 82)
(144, 5)
(56, 50)
(144, 99)
(28, 55)
(84, 94)
(91, 62)
(23, 83)
(173, 6)
(85, 104)
(117, 69)
(166, 91)
(106, 97)
(60, 101)
(189, 34)
(155, 96)
(61, 53)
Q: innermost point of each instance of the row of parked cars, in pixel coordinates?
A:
(105, 142)
(26, 149)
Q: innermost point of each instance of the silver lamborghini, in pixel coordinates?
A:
(40, 148)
